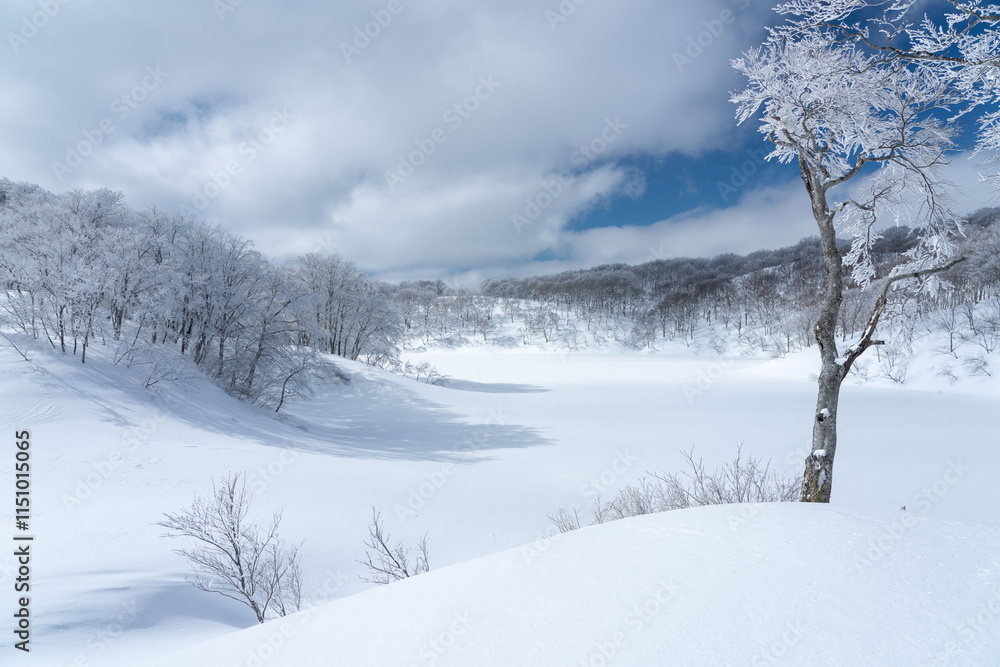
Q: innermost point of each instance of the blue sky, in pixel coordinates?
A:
(418, 138)
(676, 183)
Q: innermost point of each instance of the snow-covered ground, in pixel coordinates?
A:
(730, 585)
(478, 463)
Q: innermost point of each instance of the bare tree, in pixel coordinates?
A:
(234, 557)
(845, 115)
(388, 562)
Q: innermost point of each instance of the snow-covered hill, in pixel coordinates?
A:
(784, 584)
(479, 463)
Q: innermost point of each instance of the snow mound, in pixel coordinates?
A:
(727, 585)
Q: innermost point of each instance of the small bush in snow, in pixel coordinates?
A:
(234, 557)
(388, 562)
(894, 362)
(749, 480)
(948, 374)
(565, 521)
(977, 365)
(424, 371)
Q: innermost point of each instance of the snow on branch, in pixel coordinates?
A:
(842, 113)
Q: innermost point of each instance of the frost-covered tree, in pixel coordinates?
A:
(957, 40)
(142, 284)
(169, 293)
(235, 557)
(53, 250)
(869, 137)
(353, 315)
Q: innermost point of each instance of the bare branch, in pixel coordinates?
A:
(242, 561)
(388, 562)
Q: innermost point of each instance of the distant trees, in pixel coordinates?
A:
(413, 305)
(177, 299)
(158, 289)
(352, 315)
(755, 298)
(765, 302)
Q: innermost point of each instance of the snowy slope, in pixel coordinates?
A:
(752, 585)
(478, 464)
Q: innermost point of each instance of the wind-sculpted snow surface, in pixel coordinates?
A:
(725, 585)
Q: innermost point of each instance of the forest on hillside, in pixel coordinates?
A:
(175, 298)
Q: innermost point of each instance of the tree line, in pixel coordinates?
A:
(177, 298)
(766, 300)
(164, 293)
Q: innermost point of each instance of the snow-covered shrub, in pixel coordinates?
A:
(423, 371)
(749, 480)
(977, 365)
(388, 562)
(894, 362)
(565, 521)
(234, 557)
(948, 374)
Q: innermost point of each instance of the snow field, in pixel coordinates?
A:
(478, 465)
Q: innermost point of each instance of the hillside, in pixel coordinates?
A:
(753, 585)
(525, 433)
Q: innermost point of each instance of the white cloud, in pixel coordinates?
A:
(661, 69)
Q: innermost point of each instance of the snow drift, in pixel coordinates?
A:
(727, 585)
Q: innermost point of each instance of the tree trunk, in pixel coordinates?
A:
(818, 478)
(62, 330)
